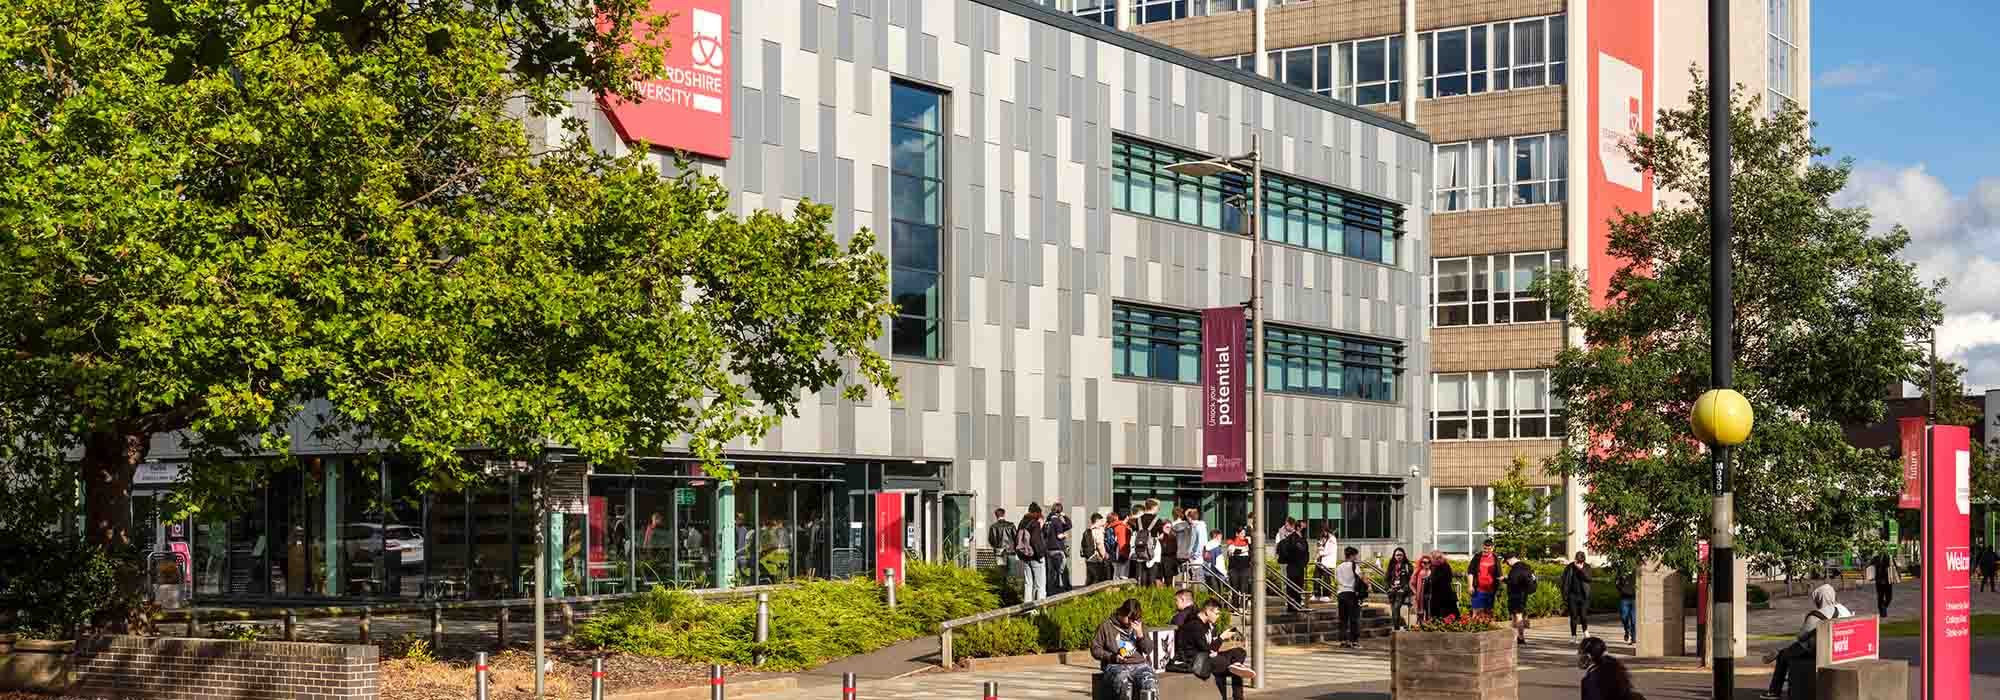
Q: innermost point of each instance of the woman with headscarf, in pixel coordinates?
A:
(1439, 595)
(1825, 607)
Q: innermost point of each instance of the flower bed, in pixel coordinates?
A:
(1463, 660)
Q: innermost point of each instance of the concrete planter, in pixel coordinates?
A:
(1455, 666)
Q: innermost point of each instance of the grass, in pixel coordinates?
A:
(1982, 626)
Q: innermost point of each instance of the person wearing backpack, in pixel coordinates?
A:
(1144, 545)
(1094, 562)
(1029, 547)
(1118, 545)
(1801, 650)
(1000, 539)
(1520, 584)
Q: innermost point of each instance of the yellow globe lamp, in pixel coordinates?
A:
(1723, 417)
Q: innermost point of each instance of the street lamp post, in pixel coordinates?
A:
(1254, 163)
(1722, 416)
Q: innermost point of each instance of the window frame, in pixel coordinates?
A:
(1478, 528)
(1489, 178)
(1489, 412)
(1782, 61)
(937, 348)
(1486, 68)
(1187, 349)
(1339, 356)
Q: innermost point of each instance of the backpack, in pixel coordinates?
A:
(1142, 541)
(1024, 543)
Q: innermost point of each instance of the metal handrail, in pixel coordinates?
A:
(945, 628)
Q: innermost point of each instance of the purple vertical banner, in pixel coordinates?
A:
(1223, 365)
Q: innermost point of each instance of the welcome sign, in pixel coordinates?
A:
(1223, 439)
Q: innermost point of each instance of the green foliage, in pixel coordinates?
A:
(1825, 314)
(244, 633)
(811, 622)
(55, 586)
(413, 647)
(1065, 626)
(1013, 636)
(1522, 516)
(217, 212)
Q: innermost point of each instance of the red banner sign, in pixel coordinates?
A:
(889, 537)
(687, 108)
(1850, 639)
(1223, 440)
(1913, 462)
(1947, 655)
(1619, 50)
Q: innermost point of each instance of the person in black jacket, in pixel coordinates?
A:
(1197, 635)
(1520, 585)
(1294, 553)
(1000, 538)
(1576, 594)
(1055, 541)
(1439, 596)
(1604, 677)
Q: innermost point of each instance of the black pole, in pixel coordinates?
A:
(1722, 352)
(1932, 392)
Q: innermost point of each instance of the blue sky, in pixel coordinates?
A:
(1903, 89)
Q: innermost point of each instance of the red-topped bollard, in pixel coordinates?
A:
(715, 682)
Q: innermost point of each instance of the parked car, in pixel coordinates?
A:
(364, 540)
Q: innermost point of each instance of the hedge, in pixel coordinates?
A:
(1065, 626)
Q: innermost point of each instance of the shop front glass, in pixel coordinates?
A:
(1353, 509)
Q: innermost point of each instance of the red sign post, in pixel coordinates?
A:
(1947, 659)
(1223, 440)
(889, 536)
(687, 108)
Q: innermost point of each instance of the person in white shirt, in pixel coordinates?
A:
(1347, 579)
(1329, 558)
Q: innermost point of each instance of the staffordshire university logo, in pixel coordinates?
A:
(706, 49)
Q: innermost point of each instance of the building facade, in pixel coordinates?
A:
(1048, 270)
(1526, 101)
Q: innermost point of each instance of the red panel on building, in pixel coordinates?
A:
(1619, 52)
(687, 108)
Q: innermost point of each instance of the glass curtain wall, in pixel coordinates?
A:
(1352, 509)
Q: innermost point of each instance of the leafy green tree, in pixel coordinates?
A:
(1522, 516)
(214, 213)
(1825, 316)
(1955, 408)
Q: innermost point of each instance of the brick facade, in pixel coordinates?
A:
(1482, 462)
(1486, 231)
(1475, 348)
(1512, 113)
(1305, 24)
(132, 667)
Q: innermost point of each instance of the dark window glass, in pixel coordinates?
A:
(1155, 343)
(916, 212)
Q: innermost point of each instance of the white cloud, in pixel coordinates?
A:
(1953, 236)
(1852, 75)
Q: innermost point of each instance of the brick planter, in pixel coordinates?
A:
(1455, 666)
(151, 667)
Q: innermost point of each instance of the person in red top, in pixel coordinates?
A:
(1483, 578)
(1121, 559)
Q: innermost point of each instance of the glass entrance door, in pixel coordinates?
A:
(956, 512)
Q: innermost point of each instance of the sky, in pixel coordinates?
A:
(1904, 93)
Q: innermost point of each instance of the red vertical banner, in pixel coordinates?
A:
(1619, 58)
(1223, 439)
(599, 527)
(1913, 461)
(1947, 573)
(889, 536)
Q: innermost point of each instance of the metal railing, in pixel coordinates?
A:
(946, 628)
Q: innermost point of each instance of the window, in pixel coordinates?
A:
(1370, 71)
(1296, 212)
(1497, 405)
(1784, 56)
(1306, 68)
(916, 220)
(1509, 171)
(1312, 362)
(1243, 62)
(1463, 520)
(1355, 509)
(1101, 11)
(1150, 11)
(1151, 343)
(1490, 289)
(1510, 55)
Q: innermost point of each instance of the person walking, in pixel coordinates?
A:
(1399, 587)
(1196, 636)
(1030, 548)
(1520, 584)
(1124, 653)
(1989, 566)
(1329, 559)
(1576, 594)
(1347, 585)
(1439, 596)
(1055, 539)
(1604, 676)
(1000, 539)
(1419, 580)
(1886, 575)
(1482, 578)
(1628, 595)
(1239, 565)
(1094, 563)
(1825, 607)
(1192, 535)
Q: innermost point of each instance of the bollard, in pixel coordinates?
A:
(715, 683)
(367, 619)
(437, 627)
(479, 676)
(597, 679)
(763, 627)
(847, 686)
(992, 690)
(503, 628)
(890, 574)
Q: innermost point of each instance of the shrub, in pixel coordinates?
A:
(939, 592)
(1013, 636)
(1066, 626)
(1759, 597)
(71, 586)
(237, 632)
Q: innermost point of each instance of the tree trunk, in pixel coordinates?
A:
(109, 461)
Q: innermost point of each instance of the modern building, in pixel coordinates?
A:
(1887, 434)
(1049, 272)
(1526, 101)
